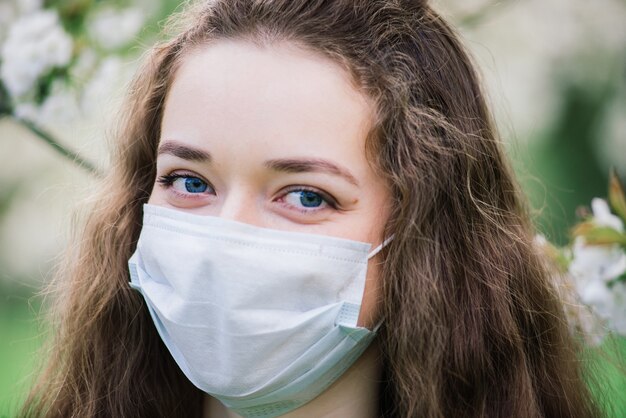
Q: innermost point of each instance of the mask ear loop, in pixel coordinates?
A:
(370, 255)
(378, 325)
(380, 247)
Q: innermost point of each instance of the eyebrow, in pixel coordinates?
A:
(183, 151)
(296, 165)
(285, 165)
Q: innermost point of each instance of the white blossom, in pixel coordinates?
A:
(597, 295)
(595, 269)
(602, 215)
(599, 262)
(596, 262)
(105, 79)
(84, 66)
(11, 10)
(113, 29)
(35, 44)
(59, 106)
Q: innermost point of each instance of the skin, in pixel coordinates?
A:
(237, 118)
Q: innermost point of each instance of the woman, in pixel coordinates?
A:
(276, 144)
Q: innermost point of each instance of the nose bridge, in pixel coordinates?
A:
(240, 205)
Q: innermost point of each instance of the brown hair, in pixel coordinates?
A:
(473, 326)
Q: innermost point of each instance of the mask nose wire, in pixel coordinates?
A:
(380, 247)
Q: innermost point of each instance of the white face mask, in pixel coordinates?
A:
(263, 320)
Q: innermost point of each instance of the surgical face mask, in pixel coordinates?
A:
(263, 320)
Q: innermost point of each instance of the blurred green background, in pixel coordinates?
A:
(555, 71)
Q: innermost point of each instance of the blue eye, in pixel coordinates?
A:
(310, 199)
(305, 199)
(195, 185)
(185, 183)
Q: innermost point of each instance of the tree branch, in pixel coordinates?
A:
(58, 147)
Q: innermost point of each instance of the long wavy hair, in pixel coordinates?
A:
(473, 325)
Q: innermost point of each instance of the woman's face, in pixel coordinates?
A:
(273, 137)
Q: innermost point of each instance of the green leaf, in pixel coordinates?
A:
(582, 228)
(618, 279)
(603, 235)
(617, 197)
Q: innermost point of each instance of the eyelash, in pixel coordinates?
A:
(168, 180)
(330, 201)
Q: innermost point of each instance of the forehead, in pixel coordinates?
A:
(279, 95)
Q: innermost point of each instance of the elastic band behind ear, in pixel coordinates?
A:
(377, 326)
(380, 247)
